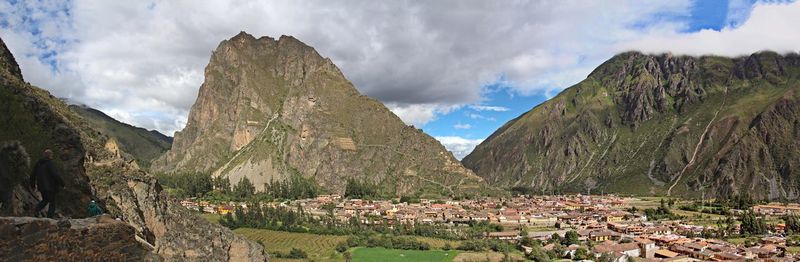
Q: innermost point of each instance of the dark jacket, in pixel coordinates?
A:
(45, 176)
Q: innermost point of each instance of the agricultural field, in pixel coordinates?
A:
(318, 247)
(396, 255)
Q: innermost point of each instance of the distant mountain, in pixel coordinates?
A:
(660, 125)
(142, 144)
(154, 225)
(271, 109)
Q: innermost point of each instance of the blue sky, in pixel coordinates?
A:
(471, 124)
(457, 69)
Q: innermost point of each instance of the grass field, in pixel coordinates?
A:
(213, 218)
(318, 247)
(396, 255)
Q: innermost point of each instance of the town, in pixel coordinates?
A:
(613, 227)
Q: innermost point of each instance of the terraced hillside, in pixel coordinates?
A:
(659, 125)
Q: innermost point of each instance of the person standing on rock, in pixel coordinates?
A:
(46, 178)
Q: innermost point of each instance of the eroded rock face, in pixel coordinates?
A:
(658, 125)
(175, 233)
(270, 109)
(92, 167)
(41, 239)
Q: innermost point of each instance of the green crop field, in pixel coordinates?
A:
(318, 247)
(392, 255)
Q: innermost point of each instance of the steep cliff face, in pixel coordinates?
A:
(92, 168)
(270, 109)
(658, 125)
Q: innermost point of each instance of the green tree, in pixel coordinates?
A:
(571, 238)
(752, 225)
(244, 188)
(606, 257)
(792, 224)
(582, 254)
(222, 183)
(297, 253)
(538, 254)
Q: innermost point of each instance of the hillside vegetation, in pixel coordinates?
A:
(141, 144)
(658, 125)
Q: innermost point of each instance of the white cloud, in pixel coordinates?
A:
(143, 62)
(419, 114)
(489, 108)
(147, 58)
(462, 126)
(770, 27)
(479, 116)
(460, 146)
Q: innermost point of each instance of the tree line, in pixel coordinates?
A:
(203, 185)
(283, 218)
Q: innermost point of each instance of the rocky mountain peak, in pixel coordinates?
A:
(8, 65)
(271, 109)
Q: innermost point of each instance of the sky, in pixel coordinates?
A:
(457, 69)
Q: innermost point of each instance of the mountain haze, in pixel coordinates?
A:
(660, 125)
(271, 109)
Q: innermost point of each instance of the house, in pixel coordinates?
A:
(726, 256)
(614, 217)
(602, 235)
(505, 235)
(628, 249)
(225, 209)
(545, 235)
(542, 220)
(647, 247)
(665, 253)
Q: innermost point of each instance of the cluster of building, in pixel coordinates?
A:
(206, 207)
(660, 242)
(602, 220)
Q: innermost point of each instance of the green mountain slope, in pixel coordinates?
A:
(141, 144)
(659, 125)
(271, 109)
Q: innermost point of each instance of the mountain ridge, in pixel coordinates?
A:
(137, 143)
(668, 124)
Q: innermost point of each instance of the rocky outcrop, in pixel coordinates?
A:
(271, 109)
(91, 166)
(658, 125)
(174, 232)
(94, 239)
(8, 65)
